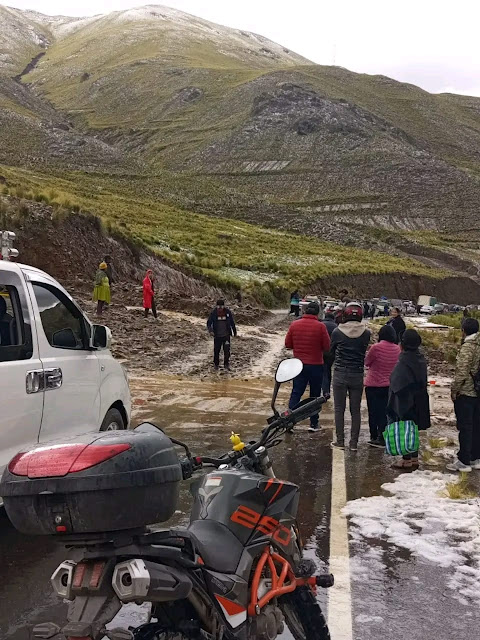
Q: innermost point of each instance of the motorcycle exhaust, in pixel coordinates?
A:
(62, 580)
(143, 581)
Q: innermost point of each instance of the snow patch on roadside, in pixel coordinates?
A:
(417, 517)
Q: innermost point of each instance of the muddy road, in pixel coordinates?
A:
(406, 557)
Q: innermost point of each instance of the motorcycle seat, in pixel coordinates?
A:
(218, 547)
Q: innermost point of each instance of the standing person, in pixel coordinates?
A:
(366, 309)
(380, 361)
(221, 325)
(331, 325)
(373, 310)
(349, 345)
(110, 271)
(101, 291)
(465, 400)
(408, 396)
(309, 340)
(466, 313)
(149, 294)
(295, 303)
(344, 297)
(398, 323)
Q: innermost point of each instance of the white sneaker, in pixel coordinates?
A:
(475, 464)
(459, 466)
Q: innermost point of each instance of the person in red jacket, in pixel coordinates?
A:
(309, 339)
(149, 294)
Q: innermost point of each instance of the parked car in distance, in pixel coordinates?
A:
(440, 307)
(427, 310)
(58, 377)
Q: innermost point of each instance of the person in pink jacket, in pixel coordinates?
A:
(380, 361)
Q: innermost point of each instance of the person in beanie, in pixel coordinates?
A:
(101, 291)
(149, 294)
(465, 399)
(309, 339)
(349, 345)
(398, 323)
(380, 362)
(221, 325)
(408, 396)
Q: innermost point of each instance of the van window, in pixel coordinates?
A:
(62, 322)
(15, 339)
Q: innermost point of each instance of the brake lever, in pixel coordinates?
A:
(274, 443)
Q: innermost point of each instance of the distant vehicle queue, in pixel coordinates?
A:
(374, 307)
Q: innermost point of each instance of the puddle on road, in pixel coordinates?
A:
(203, 414)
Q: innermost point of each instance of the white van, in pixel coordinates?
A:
(57, 375)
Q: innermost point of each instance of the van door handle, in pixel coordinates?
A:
(53, 379)
(35, 381)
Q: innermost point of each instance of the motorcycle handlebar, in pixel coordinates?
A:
(286, 420)
(291, 418)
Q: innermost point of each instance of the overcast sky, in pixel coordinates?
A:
(432, 43)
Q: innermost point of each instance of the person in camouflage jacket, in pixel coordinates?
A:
(465, 399)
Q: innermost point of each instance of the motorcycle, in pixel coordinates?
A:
(236, 573)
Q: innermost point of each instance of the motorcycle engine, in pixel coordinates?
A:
(267, 625)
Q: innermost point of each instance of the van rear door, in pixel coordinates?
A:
(21, 370)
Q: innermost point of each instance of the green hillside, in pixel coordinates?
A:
(174, 128)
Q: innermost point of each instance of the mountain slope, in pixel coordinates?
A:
(194, 115)
(184, 94)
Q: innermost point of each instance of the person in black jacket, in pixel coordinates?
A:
(408, 396)
(221, 325)
(398, 323)
(348, 346)
(329, 322)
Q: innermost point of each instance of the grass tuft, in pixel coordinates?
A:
(461, 489)
(428, 457)
(437, 443)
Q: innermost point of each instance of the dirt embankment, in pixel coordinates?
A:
(70, 247)
(459, 290)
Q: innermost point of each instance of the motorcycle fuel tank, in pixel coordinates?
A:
(250, 505)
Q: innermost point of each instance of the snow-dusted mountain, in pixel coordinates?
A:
(162, 89)
(23, 31)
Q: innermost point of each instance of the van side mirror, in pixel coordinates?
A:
(101, 337)
(64, 339)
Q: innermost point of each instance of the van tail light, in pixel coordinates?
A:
(59, 460)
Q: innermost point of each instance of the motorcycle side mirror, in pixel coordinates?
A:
(287, 370)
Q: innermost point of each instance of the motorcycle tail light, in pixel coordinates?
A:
(59, 460)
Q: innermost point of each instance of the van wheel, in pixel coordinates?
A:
(113, 421)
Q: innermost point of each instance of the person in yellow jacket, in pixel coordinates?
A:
(101, 291)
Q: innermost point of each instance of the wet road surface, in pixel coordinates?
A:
(392, 592)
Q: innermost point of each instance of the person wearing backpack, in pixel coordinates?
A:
(465, 383)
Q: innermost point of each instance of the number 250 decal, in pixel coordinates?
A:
(264, 524)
